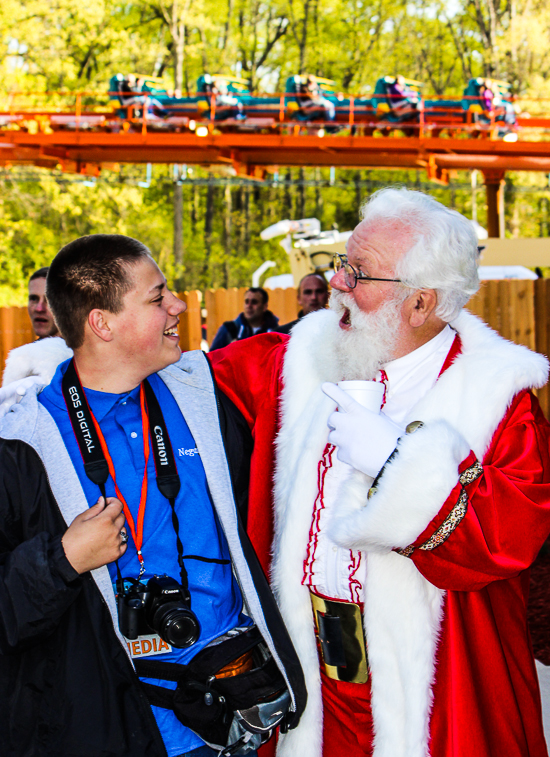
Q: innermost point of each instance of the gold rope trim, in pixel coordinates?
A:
(449, 524)
(470, 474)
(453, 518)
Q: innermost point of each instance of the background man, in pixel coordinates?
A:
(312, 295)
(256, 319)
(67, 685)
(39, 312)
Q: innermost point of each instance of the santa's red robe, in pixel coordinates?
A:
(452, 669)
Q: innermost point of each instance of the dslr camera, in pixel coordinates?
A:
(161, 606)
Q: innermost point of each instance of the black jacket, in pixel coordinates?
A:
(286, 328)
(67, 685)
(234, 331)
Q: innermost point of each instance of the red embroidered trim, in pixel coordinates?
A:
(355, 585)
(324, 464)
(384, 380)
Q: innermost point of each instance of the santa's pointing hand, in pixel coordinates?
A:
(364, 439)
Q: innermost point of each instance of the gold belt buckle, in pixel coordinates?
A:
(339, 627)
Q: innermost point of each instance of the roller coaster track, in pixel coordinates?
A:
(253, 155)
(53, 130)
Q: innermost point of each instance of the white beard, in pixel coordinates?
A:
(370, 342)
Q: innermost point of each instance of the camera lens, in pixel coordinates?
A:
(176, 625)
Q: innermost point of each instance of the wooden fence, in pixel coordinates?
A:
(226, 304)
(519, 310)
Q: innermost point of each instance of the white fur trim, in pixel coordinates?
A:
(402, 609)
(474, 394)
(304, 410)
(409, 494)
(403, 615)
(39, 358)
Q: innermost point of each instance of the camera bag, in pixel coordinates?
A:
(235, 713)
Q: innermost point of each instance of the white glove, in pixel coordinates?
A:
(11, 394)
(364, 439)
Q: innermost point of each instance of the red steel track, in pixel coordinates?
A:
(252, 154)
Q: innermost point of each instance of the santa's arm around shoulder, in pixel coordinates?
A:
(464, 522)
(249, 372)
(31, 364)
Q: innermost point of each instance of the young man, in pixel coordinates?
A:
(312, 296)
(39, 312)
(67, 683)
(255, 319)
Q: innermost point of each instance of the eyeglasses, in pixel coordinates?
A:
(351, 276)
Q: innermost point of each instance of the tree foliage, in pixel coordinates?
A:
(65, 45)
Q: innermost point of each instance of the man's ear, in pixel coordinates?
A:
(98, 321)
(421, 305)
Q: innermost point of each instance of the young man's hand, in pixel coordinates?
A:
(93, 539)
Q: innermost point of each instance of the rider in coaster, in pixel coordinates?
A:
(313, 101)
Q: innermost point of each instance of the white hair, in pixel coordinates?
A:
(443, 255)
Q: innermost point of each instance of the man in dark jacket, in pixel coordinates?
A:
(312, 295)
(255, 319)
(70, 682)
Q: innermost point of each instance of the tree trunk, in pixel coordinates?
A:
(358, 198)
(194, 208)
(179, 48)
(208, 218)
(318, 196)
(246, 221)
(287, 200)
(301, 194)
(303, 40)
(227, 234)
(178, 231)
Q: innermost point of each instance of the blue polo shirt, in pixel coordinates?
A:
(216, 599)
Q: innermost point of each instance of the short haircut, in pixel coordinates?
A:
(90, 272)
(443, 254)
(40, 274)
(260, 291)
(317, 276)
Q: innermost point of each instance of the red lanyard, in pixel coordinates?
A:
(137, 534)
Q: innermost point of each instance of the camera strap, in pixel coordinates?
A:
(98, 463)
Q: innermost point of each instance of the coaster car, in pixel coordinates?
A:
(485, 103)
(308, 99)
(489, 101)
(397, 99)
(137, 91)
(312, 98)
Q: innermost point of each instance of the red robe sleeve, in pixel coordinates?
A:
(249, 373)
(507, 515)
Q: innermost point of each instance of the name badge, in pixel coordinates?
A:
(147, 646)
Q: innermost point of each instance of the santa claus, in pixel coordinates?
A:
(403, 537)
(434, 557)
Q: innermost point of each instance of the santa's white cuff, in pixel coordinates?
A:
(411, 491)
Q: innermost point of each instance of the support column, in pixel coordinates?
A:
(494, 183)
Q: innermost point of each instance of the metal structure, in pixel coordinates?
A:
(85, 142)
